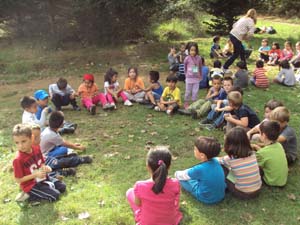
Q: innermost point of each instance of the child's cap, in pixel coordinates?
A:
(89, 77)
(40, 95)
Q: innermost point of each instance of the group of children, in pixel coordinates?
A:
(256, 152)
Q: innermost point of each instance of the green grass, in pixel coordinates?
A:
(118, 140)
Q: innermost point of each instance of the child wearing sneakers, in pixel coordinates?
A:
(170, 100)
(30, 107)
(30, 170)
(62, 94)
(112, 89)
(271, 158)
(206, 180)
(287, 137)
(90, 95)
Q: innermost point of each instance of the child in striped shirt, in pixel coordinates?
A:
(240, 165)
(259, 78)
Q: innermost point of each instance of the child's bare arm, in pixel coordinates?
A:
(281, 139)
(37, 174)
(239, 122)
(73, 145)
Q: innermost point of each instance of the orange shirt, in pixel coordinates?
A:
(132, 85)
(85, 92)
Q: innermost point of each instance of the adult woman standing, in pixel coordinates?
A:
(242, 30)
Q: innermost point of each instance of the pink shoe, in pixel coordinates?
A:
(186, 105)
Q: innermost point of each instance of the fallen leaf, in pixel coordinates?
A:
(108, 155)
(130, 135)
(114, 146)
(63, 218)
(166, 138)
(143, 131)
(247, 216)
(106, 135)
(291, 197)
(101, 203)
(150, 123)
(130, 140)
(192, 134)
(153, 133)
(149, 142)
(197, 129)
(174, 158)
(83, 215)
(183, 203)
(7, 200)
(127, 157)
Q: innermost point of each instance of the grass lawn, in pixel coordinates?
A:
(119, 140)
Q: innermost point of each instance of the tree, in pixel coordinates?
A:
(225, 13)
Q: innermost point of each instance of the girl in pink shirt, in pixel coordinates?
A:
(287, 52)
(156, 200)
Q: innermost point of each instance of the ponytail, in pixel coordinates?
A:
(159, 177)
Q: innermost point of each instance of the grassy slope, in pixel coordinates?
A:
(118, 139)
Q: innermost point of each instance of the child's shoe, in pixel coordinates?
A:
(76, 108)
(67, 172)
(113, 105)
(156, 108)
(86, 159)
(93, 109)
(21, 197)
(169, 112)
(128, 103)
(184, 112)
(107, 106)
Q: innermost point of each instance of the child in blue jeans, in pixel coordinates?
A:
(206, 180)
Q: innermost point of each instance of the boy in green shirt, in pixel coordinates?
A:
(271, 158)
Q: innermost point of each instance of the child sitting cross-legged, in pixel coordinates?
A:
(286, 75)
(259, 78)
(271, 158)
(156, 200)
(201, 107)
(206, 180)
(133, 86)
(240, 165)
(170, 100)
(241, 78)
(30, 170)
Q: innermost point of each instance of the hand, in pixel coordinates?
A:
(255, 147)
(40, 174)
(249, 135)
(46, 109)
(217, 109)
(46, 169)
(115, 96)
(79, 147)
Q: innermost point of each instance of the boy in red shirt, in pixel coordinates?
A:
(29, 168)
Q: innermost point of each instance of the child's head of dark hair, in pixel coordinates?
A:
(134, 69)
(271, 129)
(265, 40)
(280, 114)
(241, 65)
(193, 44)
(216, 38)
(109, 75)
(259, 64)
(285, 64)
(276, 44)
(62, 83)
(217, 78)
(208, 146)
(288, 43)
(229, 79)
(235, 98)
(56, 120)
(154, 76)
(172, 78)
(22, 130)
(273, 103)
(159, 161)
(217, 64)
(27, 101)
(237, 144)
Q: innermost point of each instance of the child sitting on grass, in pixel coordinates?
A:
(154, 90)
(259, 78)
(113, 90)
(156, 200)
(30, 107)
(286, 76)
(253, 134)
(271, 158)
(170, 100)
(274, 54)
(90, 95)
(241, 78)
(52, 144)
(287, 137)
(134, 86)
(205, 181)
(240, 165)
(62, 94)
(241, 114)
(30, 170)
(264, 50)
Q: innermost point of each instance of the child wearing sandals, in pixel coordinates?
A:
(240, 165)
(156, 200)
(113, 90)
(90, 95)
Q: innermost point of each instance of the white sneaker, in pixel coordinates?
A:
(113, 105)
(169, 112)
(156, 108)
(128, 103)
(21, 197)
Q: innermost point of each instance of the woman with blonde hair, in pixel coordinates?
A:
(242, 30)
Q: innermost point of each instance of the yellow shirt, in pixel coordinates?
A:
(170, 95)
